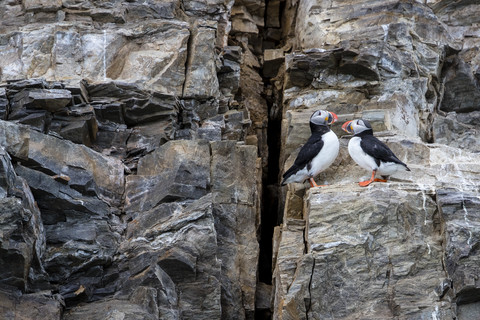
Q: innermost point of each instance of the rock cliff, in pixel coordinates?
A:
(142, 145)
(407, 249)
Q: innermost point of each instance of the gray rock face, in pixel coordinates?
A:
(178, 170)
(390, 250)
(22, 241)
(460, 211)
(141, 144)
(76, 51)
(387, 270)
(178, 259)
(31, 306)
(199, 252)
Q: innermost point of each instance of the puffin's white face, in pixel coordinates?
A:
(356, 126)
(323, 117)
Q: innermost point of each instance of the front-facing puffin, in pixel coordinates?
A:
(370, 153)
(318, 153)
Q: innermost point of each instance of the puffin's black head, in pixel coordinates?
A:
(357, 126)
(322, 118)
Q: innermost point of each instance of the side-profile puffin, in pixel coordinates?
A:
(318, 153)
(370, 153)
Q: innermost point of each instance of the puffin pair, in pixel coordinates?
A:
(321, 149)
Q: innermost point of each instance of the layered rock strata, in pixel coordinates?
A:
(399, 250)
(142, 143)
(121, 124)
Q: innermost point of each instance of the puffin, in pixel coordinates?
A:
(318, 153)
(370, 153)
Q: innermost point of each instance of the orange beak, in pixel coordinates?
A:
(335, 117)
(346, 127)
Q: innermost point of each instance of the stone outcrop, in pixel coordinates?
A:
(142, 144)
(23, 233)
(120, 128)
(390, 250)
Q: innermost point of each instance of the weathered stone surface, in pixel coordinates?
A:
(68, 51)
(243, 21)
(15, 139)
(151, 116)
(451, 168)
(30, 306)
(121, 71)
(152, 9)
(89, 172)
(461, 83)
(380, 50)
(114, 309)
(229, 73)
(273, 59)
(290, 248)
(178, 245)
(388, 269)
(157, 107)
(397, 79)
(231, 210)
(368, 247)
(48, 106)
(3, 103)
(233, 186)
(178, 170)
(459, 208)
(207, 7)
(48, 99)
(144, 228)
(201, 66)
(75, 225)
(458, 130)
(238, 250)
(22, 241)
(42, 5)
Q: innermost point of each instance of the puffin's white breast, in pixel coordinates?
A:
(359, 156)
(327, 155)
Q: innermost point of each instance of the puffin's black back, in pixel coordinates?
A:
(377, 149)
(309, 150)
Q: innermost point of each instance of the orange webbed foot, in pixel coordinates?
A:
(365, 183)
(380, 180)
(313, 184)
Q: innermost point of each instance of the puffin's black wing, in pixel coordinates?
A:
(309, 150)
(378, 150)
